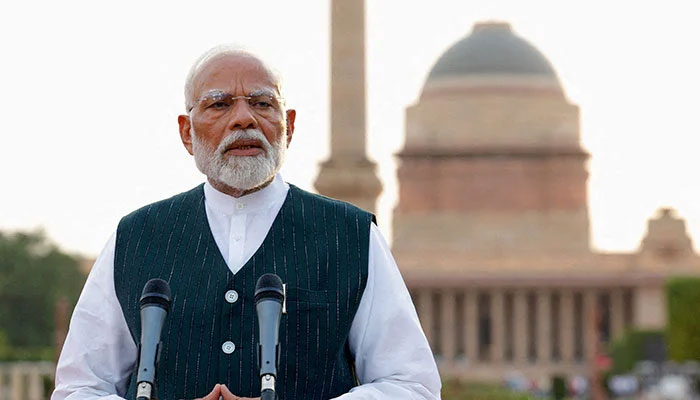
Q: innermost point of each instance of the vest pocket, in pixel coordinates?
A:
(307, 340)
(299, 299)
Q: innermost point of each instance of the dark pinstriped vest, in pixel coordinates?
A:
(318, 246)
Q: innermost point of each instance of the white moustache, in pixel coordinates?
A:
(244, 134)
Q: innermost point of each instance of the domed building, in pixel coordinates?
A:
(493, 146)
(491, 230)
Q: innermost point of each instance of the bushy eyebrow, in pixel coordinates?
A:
(212, 92)
(255, 92)
(263, 92)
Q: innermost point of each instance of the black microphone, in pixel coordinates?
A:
(155, 303)
(269, 295)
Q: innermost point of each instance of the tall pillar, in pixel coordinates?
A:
(35, 389)
(591, 328)
(425, 312)
(566, 326)
(520, 318)
(448, 307)
(348, 174)
(471, 319)
(617, 313)
(649, 307)
(497, 325)
(544, 326)
(16, 382)
(590, 324)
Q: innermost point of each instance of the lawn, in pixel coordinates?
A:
(454, 390)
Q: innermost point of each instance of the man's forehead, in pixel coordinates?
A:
(233, 73)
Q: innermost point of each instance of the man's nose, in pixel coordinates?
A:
(242, 116)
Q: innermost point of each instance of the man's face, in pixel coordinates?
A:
(236, 126)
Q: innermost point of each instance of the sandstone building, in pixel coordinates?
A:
(491, 230)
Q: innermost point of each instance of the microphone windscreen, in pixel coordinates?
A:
(156, 292)
(269, 286)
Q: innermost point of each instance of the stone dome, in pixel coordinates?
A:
(492, 49)
(492, 92)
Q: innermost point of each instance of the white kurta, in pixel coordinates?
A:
(392, 356)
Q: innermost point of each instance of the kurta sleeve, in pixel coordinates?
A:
(392, 357)
(99, 354)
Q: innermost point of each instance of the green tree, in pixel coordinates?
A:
(34, 274)
(683, 296)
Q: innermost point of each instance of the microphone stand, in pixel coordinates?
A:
(268, 388)
(270, 302)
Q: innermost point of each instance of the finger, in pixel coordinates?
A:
(215, 393)
(227, 395)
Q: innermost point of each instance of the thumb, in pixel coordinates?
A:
(215, 393)
(226, 394)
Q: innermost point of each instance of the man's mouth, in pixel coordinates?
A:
(245, 148)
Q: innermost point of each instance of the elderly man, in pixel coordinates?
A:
(350, 331)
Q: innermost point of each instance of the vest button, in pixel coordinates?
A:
(231, 296)
(228, 347)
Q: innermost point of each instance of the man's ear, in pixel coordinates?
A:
(291, 116)
(185, 132)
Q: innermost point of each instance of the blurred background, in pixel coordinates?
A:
(532, 164)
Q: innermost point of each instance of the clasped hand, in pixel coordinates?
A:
(222, 392)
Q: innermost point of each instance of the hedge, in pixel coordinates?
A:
(632, 347)
(683, 299)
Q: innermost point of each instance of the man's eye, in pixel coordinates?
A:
(218, 105)
(262, 104)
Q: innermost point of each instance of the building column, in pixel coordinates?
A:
(617, 313)
(591, 342)
(471, 331)
(16, 382)
(425, 312)
(497, 325)
(520, 318)
(448, 308)
(649, 307)
(566, 326)
(544, 326)
(590, 324)
(35, 391)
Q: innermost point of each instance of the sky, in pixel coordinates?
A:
(91, 92)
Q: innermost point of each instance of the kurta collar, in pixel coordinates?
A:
(258, 201)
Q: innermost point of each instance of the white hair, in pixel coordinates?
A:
(222, 51)
(240, 172)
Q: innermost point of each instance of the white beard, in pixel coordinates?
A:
(239, 172)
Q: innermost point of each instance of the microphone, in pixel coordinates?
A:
(269, 295)
(155, 303)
